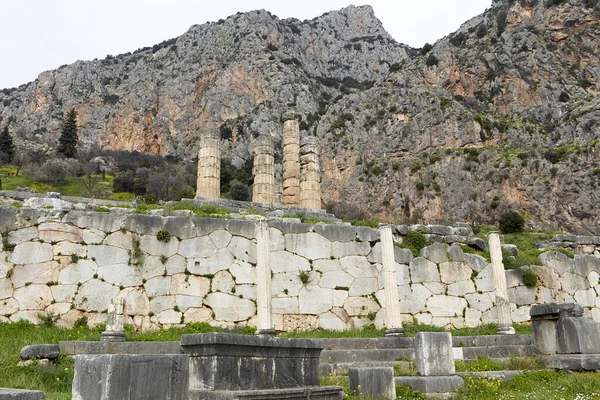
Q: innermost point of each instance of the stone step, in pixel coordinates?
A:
(471, 353)
(342, 368)
(306, 392)
(368, 343)
(349, 356)
(491, 340)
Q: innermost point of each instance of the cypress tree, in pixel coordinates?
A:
(67, 143)
(6, 144)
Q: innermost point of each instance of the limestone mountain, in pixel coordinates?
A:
(502, 114)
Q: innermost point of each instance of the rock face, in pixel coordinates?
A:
(501, 114)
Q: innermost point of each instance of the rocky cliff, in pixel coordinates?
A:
(502, 114)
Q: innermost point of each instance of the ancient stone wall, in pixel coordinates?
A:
(180, 269)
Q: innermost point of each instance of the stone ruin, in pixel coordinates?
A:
(301, 170)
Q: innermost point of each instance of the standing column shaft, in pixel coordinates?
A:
(291, 163)
(115, 321)
(392, 303)
(263, 190)
(209, 165)
(500, 287)
(310, 177)
(263, 279)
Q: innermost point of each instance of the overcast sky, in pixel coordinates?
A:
(38, 35)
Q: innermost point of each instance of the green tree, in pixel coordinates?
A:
(67, 143)
(6, 144)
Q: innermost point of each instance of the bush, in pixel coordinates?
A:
(564, 97)
(432, 61)
(239, 191)
(163, 236)
(501, 21)
(414, 241)
(530, 278)
(511, 222)
(426, 49)
(58, 170)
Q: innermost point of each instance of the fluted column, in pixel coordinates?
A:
(263, 279)
(209, 165)
(291, 163)
(390, 282)
(310, 174)
(500, 287)
(263, 190)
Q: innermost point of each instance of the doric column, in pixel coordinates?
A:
(263, 279)
(114, 331)
(392, 303)
(291, 163)
(310, 174)
(500, 287)
(263, 190)
(209, 165)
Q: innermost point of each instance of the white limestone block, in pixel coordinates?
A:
(230, 308)
(31, 253)
(284, 261)
(309, 245)
(82, 271)
(315, 300)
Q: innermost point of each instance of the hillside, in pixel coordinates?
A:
(502, 114)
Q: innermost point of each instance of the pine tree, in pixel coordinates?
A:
(67, 143)
(6, 144)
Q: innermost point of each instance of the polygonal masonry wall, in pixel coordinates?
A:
(73, 263)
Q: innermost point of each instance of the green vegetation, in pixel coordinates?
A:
(533, 385)
(483, 363)
(163, 236)
(67, 142)
(414, 241)
(530, 278)
(511, 222)
(7, 147)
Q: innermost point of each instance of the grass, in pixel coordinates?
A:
(55, 380)
(535, 385)
(483, 363)
(402, 392)
(410, 330)
(71, 187)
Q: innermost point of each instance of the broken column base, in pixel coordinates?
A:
(108, 336)
(307, 392)
(572, 362)
(505, 330)
(432, 386)
(18, 394)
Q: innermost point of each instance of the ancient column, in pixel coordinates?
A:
(500, 287)
(209, 165)
(291, 163)
(392, 303)
(263, 190)
(114, 322)
(263, 279)
(310, 174)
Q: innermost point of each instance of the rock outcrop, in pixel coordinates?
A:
(502, 114)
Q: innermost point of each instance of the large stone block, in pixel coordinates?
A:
(579, 335)
(197, 247)
(433, 354)
(315, 300)
(451, 272)
(358, 267)
(230, 308)
(374, 382)
(284, 261)
(436, 253)
(243, 362)
(58, 232)
(310, 245)
(350, 249)
(32, 253)
(423, 270)
(107, 255)
(431, 384)
(18, 394)
(131, 377)
(336, 233)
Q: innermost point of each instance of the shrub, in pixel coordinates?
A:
(432, 61)
(530, 278)
(501, 21)
(511, 222)
(304, 277)
(414, 241)
(58, 170)
(239, 191)
(564, 97)
(163, 236)
(426, 49)
(81, 322)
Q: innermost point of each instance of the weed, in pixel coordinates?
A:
(163, 236)
(304, 277)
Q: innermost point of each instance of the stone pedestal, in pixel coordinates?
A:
(114, 323)
(220, 361)
(544, 320)
(263, 280)
(310, 174)
(433, 354)
(375, 382)
(291, 163)
(263, 189)
(500, 287)
(392, 303)
(209, 165)
(131, 377)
